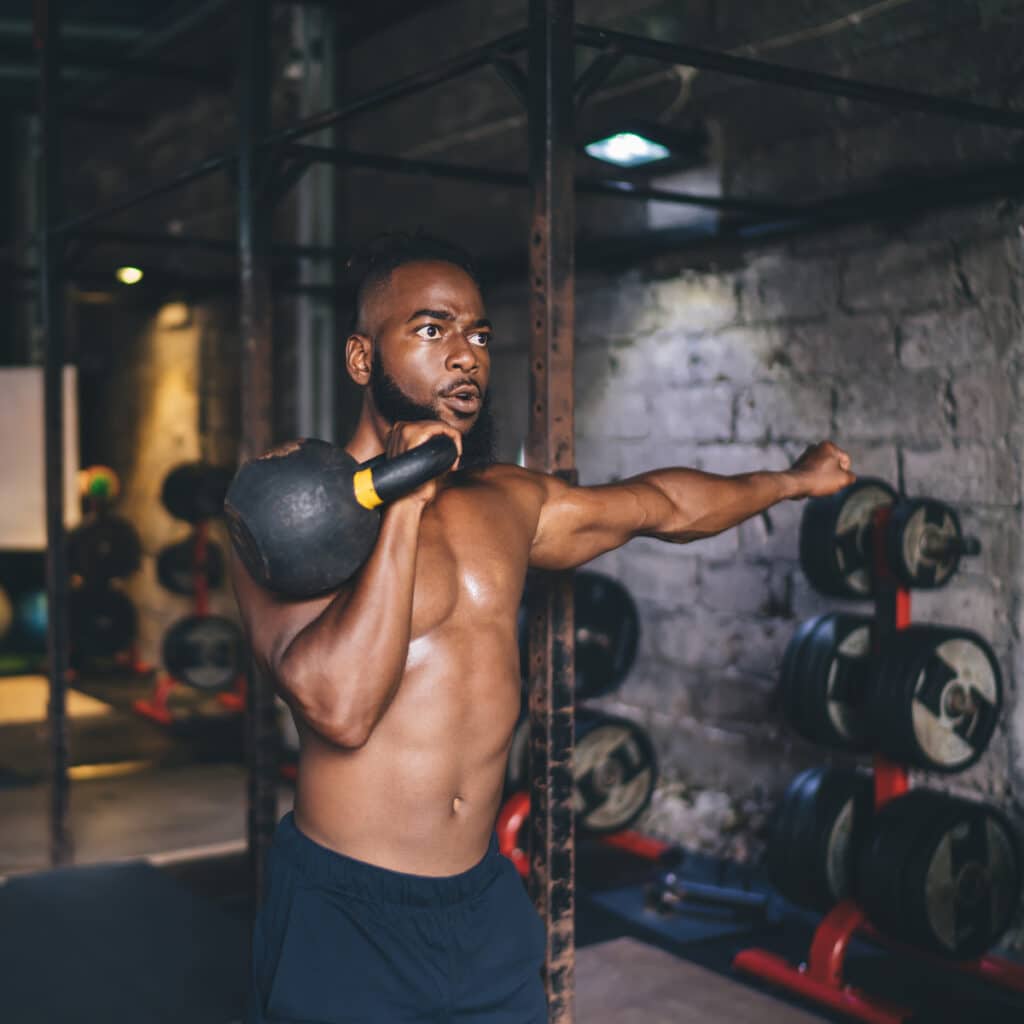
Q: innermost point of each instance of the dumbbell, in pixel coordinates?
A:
(304, 517)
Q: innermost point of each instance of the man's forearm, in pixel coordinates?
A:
(693, 504)
(342, 670)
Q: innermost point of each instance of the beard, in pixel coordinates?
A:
(478, 443)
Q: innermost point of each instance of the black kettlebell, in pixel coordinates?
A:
(303, 518)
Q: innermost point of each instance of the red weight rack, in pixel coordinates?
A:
(820, 979)
(156, 706)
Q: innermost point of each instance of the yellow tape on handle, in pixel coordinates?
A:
(365, 493)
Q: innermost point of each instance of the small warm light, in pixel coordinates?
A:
(174, 316)
(627, 149)
(128, 275)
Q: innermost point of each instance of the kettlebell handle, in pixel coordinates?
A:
(381, 480)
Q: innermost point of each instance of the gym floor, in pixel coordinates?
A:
(159, 829)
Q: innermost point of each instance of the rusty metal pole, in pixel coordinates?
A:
(550, 448)
(51, 290)
(257, 395)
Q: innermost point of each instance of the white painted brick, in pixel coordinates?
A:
(968, 472)
(840, 344)
(765, 642)
(739, 355)
(663, 573)
(911, 406)
(769, 411)
(872, 459)
(986, 406)
(614, 311)
(949, 337)
(740, 588)
(702, 413)
(993, 266)
(731, 459)
(615, 414)
(696, 303)
(900, 276)
(649, 363)
(734, 696)
(774, 534)
(775, 287)
(999, 532)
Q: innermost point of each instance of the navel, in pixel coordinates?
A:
(456, 805)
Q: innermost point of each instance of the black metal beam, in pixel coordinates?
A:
(51, 285)
(280, 250)
(511, 179)
(435, 74)
(796, 78)
(550, 448)
(257, 398)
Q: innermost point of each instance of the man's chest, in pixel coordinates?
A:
(470, 564)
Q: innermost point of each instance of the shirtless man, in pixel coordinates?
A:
(387, 900)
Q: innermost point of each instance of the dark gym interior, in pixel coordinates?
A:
(777, 778)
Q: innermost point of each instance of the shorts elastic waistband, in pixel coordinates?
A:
(338, 871)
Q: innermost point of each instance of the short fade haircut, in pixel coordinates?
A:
(371, 266)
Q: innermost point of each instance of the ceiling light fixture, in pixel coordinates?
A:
(128, 275)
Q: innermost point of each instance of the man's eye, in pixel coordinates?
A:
(482, 339)
(429, 331)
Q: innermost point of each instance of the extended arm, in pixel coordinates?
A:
(677, 505)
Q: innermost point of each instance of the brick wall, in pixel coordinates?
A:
(906, 350)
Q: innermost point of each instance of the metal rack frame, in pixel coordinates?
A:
(552, 95)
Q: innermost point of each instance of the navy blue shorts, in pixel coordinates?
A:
(339, 941)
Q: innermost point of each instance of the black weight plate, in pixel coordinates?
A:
(615, 771)
(102, 621)
(204, 651)
(195, 491)
(517, 770)
(941, 873)
(104, 549)
(791, 675)
(607, 630)
(811, 853)
(923, 543)
(174, 566)
(940, 699)
(835, 682)
(785, 870)
(835, 532)
(607, 633)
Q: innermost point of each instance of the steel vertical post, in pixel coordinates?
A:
(550, 448)
(257, 402)
(51, 292)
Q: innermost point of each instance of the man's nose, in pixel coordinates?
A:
(462, 354)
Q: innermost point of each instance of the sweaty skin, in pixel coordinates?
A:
(405, 683)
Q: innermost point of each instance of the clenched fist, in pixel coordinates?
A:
(823, 469)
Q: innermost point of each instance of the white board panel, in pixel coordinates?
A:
(22, 458)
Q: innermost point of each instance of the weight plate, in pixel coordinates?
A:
(607, 632)
(924, 543)
(103, 621)
(195, 491)
(835, 532)
(951, 867)
(791, 676)
(811, 854)
(517, 771)
(174, 566)
(614, 770)
(104, 549)
(940, 699)
(204, 651)
(835, 682)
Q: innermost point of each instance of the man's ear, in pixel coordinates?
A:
(359, 358)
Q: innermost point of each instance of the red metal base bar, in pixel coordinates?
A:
(822, 978)
(130, 659)
(516, 809)
(234, 699)
(156, 707)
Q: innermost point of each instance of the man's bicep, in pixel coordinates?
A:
(577, 524)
